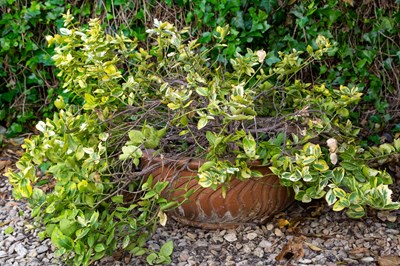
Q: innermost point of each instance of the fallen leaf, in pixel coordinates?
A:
(386, 216)
(313, 247)
(389, 261)
(283, 223)
(293, 249)
(163, 218)
(4, 164)
(3, 196)
(4, 223)
(350, 2)
(359, 250)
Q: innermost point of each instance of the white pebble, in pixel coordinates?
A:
(21, 250)
(230, 237)
(278, 232)
(368, 259)
(251, 236)
(265, 244)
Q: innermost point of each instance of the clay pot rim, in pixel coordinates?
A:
(191, 162)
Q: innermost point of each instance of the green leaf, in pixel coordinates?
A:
(99, 247)
(160, 186)
(330, 197)
(202, 91)
(90, 240)
(81, 233)
(202, 123)
(356, 211)
(126, 241)
(94, 217)
(91, 102)
(151, 258)
(118, 199)
(137, 251)
(167, 249)
(349, 166)
(149, 194)
(338, 174)
(67, 227)
(249, 146)
(341, 204)
(9, 230)
(321, 166)
(309, 159)
(343, 112)
(136, 137)
(61, 240)
(338, 192)
(79, 247)
(110, 237)
(396, 144)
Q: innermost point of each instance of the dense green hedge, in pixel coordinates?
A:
(367, 38)
(28, 83)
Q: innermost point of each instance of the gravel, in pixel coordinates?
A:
(315, 236)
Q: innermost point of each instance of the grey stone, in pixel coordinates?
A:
(247, 249)
(20, 249)
(215, 247)
(258, 252)
(265, 244)
(3, 254)
(251, 236)
(32, 254)
(305, 261)
(368, 259)
(42, 248)
(278, 232)
(201, 243)
(230, 237)
(184, 255)
(270, 227)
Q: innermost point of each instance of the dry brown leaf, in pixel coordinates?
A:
(293, 249)
(4, 164)
(350, 2)
(389, 261)
(313, 247)
(3, 196)
(359, 250)
(283, 223)
(4, 223)
(386, 216)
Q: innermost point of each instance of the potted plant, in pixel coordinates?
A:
(97, 191)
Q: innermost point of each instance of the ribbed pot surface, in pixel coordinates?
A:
(249, 201)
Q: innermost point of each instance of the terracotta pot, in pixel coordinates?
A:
(252, 201)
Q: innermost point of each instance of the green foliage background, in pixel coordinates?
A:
(367, 37)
